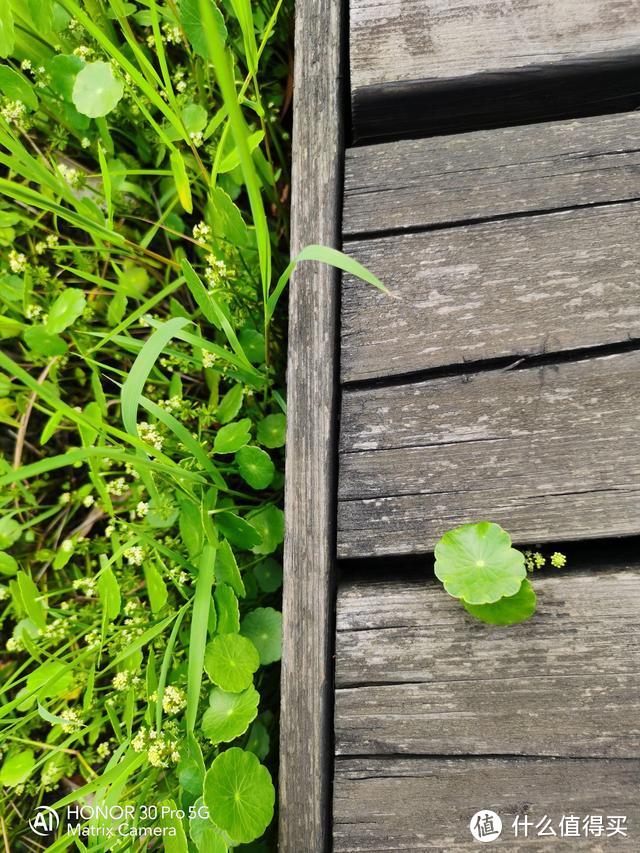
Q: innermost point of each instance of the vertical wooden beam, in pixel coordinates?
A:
(306, 741)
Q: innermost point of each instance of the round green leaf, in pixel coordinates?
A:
(252, 343)
(476, 563)
(255, 466)
(269, 522)
(96, 91)
(194, 117)
(63, 70)
(17, 768)
(207, 837)
(230, 404)
(15, 87)
(227, 570)
(230, 661)
(10, 531)
(194, 30)
(227, 609)
(232, 437)
(239, 794)
(8, 565)
(269, 575)
(258, 741)
(229, 715)
(7, 29)
(65, 310)
(507, 611)
(263, 627)
(272, 431)
(42, 342)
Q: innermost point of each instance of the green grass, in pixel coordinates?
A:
(143, 232)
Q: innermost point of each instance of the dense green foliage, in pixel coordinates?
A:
(144, 184)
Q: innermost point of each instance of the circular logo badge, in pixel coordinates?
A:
(44, 821)
(485, 826)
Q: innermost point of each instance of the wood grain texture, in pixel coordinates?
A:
(513, 287)
(416, 674)
(308, 592)
(406, 50)
(551, 453)
(411, 804)
(424, 182)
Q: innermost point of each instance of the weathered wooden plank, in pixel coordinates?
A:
(551, 453)
(308, 593)
(526, 55)
(416, 674)
(426, 804)
(424, 182)
(520, 286)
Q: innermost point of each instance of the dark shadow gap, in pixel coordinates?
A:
(423, 108)
(478, 220)
(594, 555)
(517, 361)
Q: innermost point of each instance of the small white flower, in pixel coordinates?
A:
(173, 700)
(67, 546)
(135, 555)
(208, 358)
(201, 232)
(88, 501)
(142, 509)
(17, 261)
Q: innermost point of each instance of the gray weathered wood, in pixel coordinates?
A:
(402, 48)
(551, 453)
(416, 674)
(520, 286)
(411, 804)
(308, 593)
(422, 182)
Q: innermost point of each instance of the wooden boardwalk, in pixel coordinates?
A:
(488, 171)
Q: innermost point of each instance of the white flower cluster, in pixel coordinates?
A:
(173, 700)
(149, 432)
(117, 487)
(72, 176)
(201, 232)
(216, 271)
(17, 261)
(50, 242)
(208, 358)
(13, 112)
(161, 750)
(135, 555)
(73, 721)
(86, 585)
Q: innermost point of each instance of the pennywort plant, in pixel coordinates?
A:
(143, 228)
(477, 564)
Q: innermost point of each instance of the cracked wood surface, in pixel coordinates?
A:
(415, 674)
(407, 49)
(551, 453)
(523, 286)
(416, 804)
(308, 596)
(417, 183)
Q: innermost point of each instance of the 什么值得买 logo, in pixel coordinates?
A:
(485, 826)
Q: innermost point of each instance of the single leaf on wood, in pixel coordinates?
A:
(509, 610)
(476, 563)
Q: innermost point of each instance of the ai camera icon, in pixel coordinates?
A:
(485, 826)
(44, 821)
